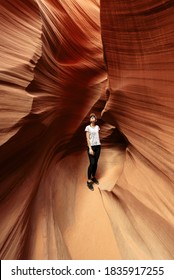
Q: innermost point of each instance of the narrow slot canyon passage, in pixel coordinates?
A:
(60, 61)
(89, 224)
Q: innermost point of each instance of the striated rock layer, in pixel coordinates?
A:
(61, 60)
(139, 50)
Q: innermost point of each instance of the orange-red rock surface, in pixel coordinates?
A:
(61, 60)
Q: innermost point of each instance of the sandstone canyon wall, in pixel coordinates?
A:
(61, 60)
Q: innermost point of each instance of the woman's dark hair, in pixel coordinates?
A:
(93, 115)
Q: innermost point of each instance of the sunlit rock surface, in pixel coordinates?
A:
(61, 60)
(139, 51)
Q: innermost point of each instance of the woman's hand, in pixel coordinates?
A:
(91, 151)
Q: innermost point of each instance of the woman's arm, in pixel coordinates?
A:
(89, 145)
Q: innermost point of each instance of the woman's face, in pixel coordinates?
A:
(92, 119)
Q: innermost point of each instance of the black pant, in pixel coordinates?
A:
(93, 159)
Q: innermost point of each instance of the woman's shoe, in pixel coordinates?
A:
(90, 186)
(95, 180)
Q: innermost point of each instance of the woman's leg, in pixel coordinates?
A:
(96, 158)
(91, 165)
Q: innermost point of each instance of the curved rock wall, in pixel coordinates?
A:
(138, 44)
(60, 60)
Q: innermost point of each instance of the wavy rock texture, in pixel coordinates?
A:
(60, 60)
(139, 50)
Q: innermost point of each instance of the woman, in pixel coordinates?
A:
(94, 146)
